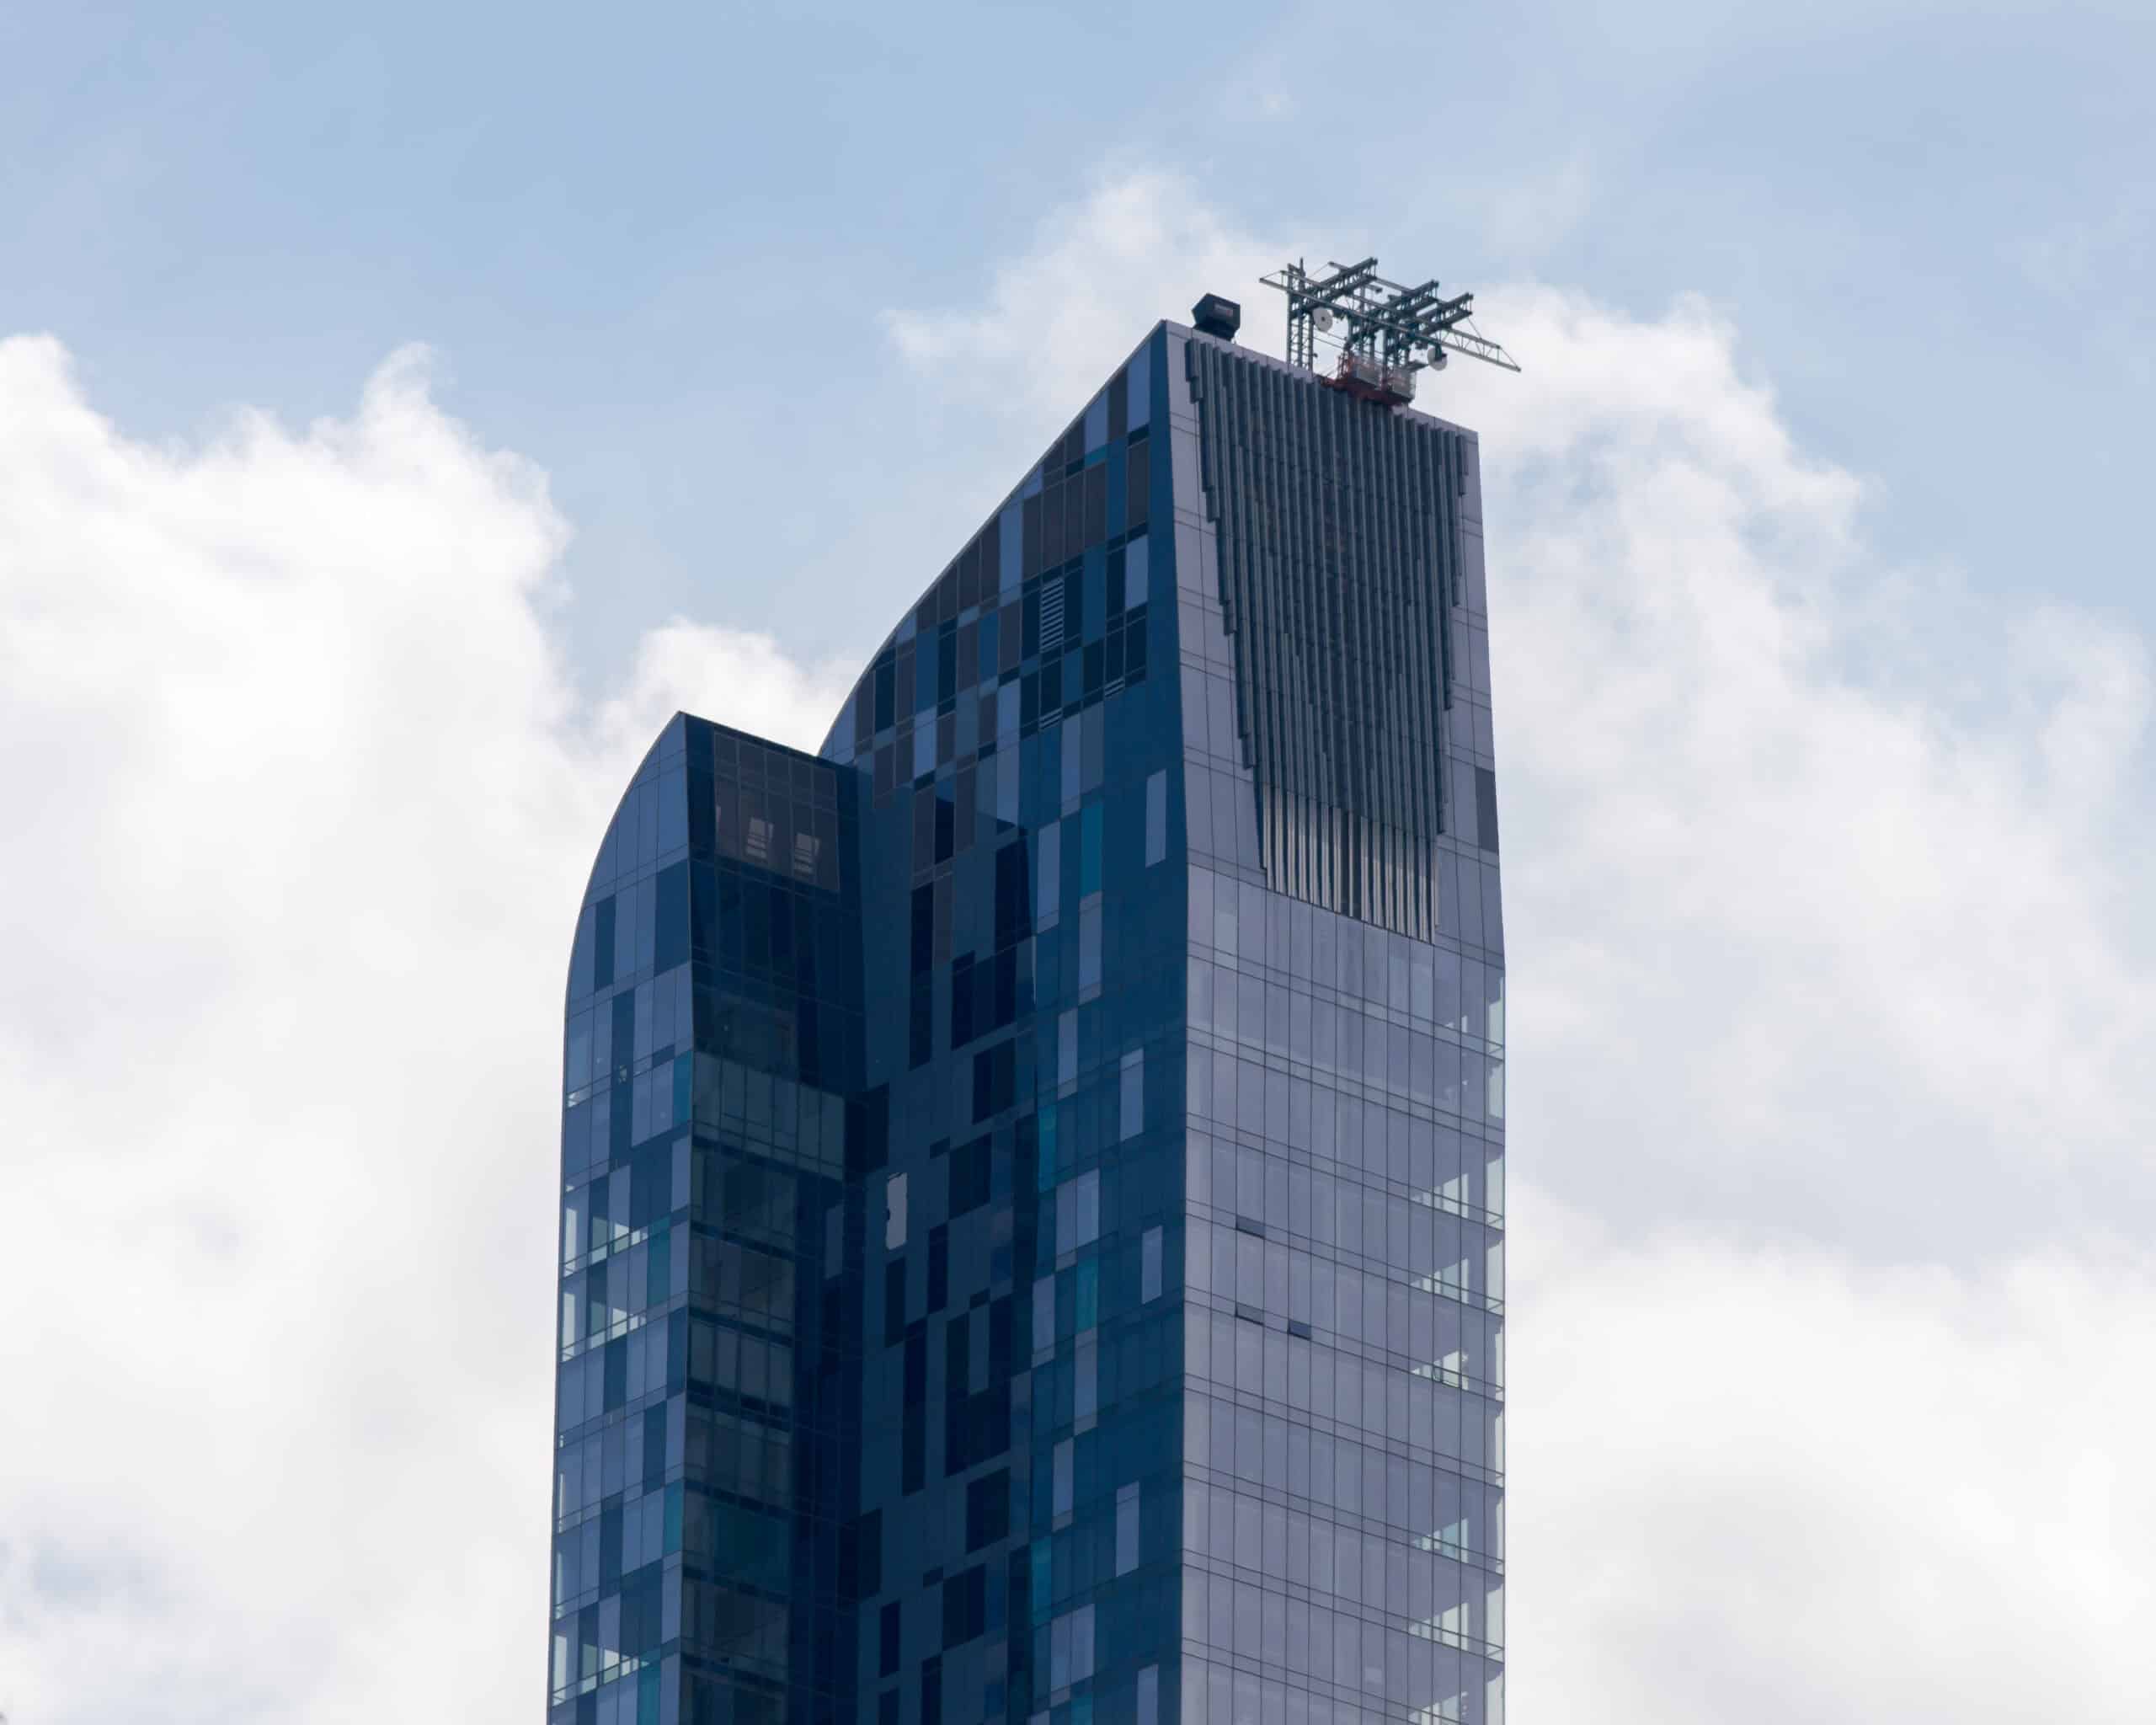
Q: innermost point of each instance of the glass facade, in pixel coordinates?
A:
(1032, 1219)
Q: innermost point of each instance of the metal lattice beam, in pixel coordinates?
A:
(1399, 327)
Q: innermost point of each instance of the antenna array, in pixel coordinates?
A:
(1387, 332)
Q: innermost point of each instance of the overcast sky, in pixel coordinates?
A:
(396, 426)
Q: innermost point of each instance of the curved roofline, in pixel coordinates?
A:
(832, 748)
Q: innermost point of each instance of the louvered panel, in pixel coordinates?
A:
(1338, 537)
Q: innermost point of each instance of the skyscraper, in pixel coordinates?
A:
(1032, 1172)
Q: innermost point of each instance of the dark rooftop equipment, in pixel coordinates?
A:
(1214, 316)
(1387, 332)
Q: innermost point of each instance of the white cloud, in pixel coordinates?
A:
(1099, 275)
(1871, 937)
(303, 803)
(741, 680)
(1765, 1485)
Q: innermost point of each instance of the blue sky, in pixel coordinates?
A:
(651, 253)
(1822, 637)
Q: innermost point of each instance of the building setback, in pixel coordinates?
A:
(1032, 1173)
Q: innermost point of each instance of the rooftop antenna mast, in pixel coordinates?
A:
(1386, 332)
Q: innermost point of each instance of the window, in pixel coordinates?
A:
(894, 1212)
(1126, 1529)
(1071, 1648)
(1009, 546)
(1048, 899)
(1078, 1211)
(1156, 818)
(1045, 1315)
(1134, 1093)
(1148, 1274)
(1485, 808)
(1046, 1136)
(572, 1214)
(988, 1508)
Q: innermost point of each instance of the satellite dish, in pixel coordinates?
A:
(1322, 317)
(1437, 359)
